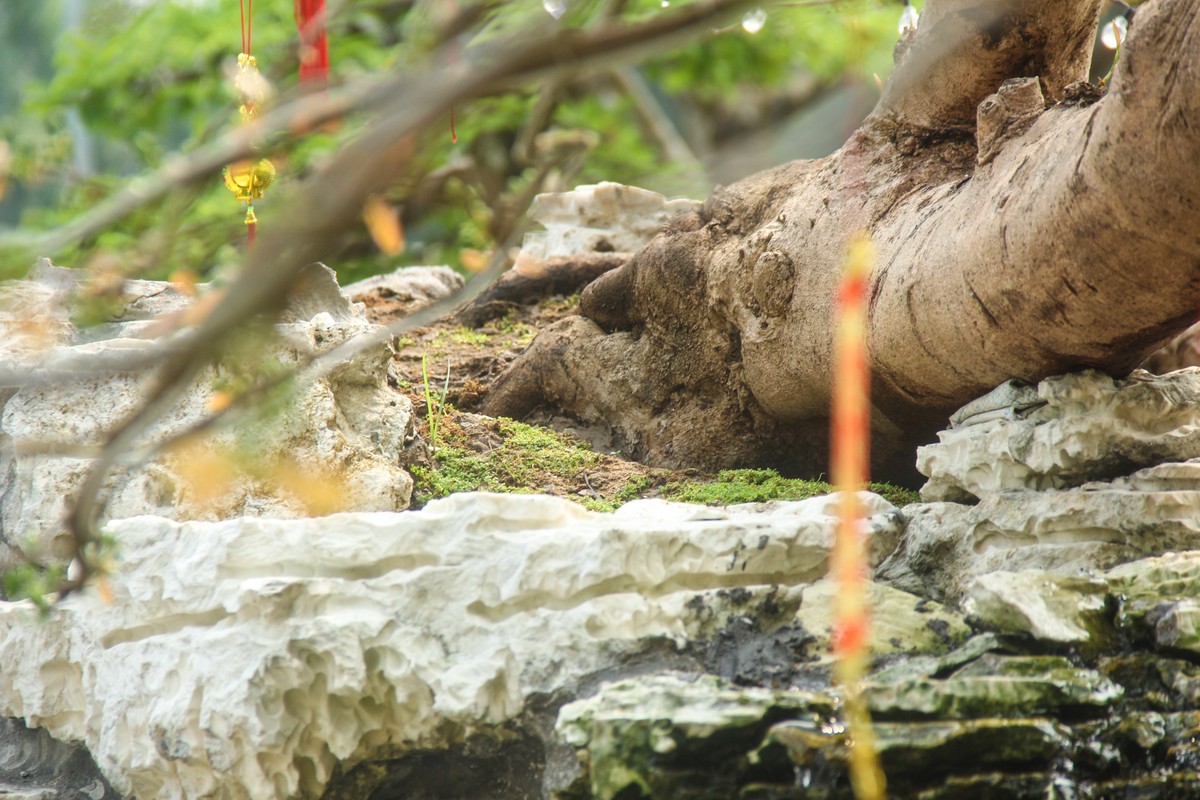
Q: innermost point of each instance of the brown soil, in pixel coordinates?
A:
(472, 357)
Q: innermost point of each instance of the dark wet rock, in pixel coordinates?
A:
(34, 766)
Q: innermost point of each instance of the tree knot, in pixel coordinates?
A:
(1006, 114)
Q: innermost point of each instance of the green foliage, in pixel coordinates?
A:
(824, 40)
(155, 80)
(28, 582)
(40, 583)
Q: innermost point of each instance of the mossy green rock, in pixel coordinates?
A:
(1160, 683)
(1157, 598)
(1178, 626)
(921, 750)
(997, 686)
(999, 786)
(1145, 585)
(900, 622)
(912, 752)
(649, 737)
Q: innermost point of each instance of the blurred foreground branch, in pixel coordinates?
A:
(331, 200)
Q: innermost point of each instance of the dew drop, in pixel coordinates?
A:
(1112, 35)
(908, 19)
(555, 8)
(754, 20)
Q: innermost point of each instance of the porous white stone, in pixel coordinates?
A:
(1088, 427)
(347, 422)
(245, 658)
(605, 217)
(945, 545)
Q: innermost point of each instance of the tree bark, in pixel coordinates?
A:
(1023, 229)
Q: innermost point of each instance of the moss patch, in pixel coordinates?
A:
(476, 453)
(733, 486)
(501, 455)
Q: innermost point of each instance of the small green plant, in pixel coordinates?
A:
(523, 331)
(42, 582)
(38, 585)
(633, 489)
(434, 419)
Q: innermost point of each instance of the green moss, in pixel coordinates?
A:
(896, 495)
(529, 458)
(464, 335)
(524, 332)
(733, 486)
(526, 459)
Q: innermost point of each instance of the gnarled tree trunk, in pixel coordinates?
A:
(1023, 228)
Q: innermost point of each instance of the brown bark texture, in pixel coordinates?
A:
(1023, 227)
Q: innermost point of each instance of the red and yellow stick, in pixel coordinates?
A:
(851, 439)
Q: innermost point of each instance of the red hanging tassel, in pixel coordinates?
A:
(314, 44)
(251, 227)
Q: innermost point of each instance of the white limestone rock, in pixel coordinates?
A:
(245, 658)
(1047, 606)
(1154, 598)
(1080, 427)
(348, 422)
(605, 217)
(945, 545)
(412, 287)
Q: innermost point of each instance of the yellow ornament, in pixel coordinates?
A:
(249, 180)
(251, 87)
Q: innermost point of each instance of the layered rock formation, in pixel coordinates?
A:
(264, 658)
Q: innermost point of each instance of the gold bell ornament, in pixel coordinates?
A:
(249, 179)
